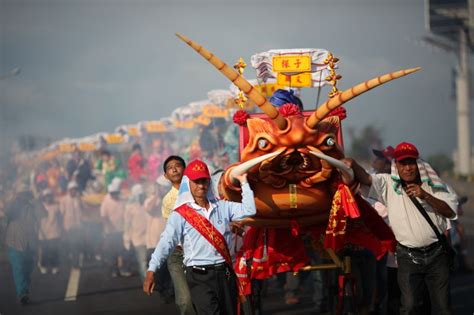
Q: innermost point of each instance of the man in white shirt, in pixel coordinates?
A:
(421, 258)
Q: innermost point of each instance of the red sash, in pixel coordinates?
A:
(210, 233)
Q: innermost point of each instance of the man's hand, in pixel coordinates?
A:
(440, 206)
(348, 161)
(415, 190)
(149, 283)
(360, 174)
(237, 228)
(242, 178)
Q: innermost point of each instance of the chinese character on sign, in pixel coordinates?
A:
(291, 63)
(297, 80)
(297, 63)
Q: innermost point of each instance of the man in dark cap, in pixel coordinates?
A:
(383, 160)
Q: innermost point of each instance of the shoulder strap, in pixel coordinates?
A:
(213, 236)
(427, 217)
(207, 230)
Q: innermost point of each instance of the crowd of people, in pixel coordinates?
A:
(102, 206)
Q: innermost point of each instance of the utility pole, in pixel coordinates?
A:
(451, 22)
(463, 111)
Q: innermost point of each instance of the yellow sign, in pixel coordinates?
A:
(133, 131)
(67, 147)
(297, 80)
(49, 155)
(214, 111)
(203, 120)
(268, 89)
(186, 124)
(155, 127)
(114, 138)
(87, 147)
(291, 63)
(293, 196)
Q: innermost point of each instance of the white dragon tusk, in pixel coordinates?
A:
(244, 167)
(336, 163)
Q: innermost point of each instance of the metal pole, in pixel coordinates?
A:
(462, 89)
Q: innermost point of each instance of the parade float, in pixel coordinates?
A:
(292, 158)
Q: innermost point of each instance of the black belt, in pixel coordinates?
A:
(220, 266)
(423, 249)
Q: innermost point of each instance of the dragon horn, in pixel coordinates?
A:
(336, 163)
(349, 94)
(239, 81)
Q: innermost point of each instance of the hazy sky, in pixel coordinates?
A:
(89, 66)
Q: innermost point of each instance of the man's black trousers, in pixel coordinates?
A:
(213, 289)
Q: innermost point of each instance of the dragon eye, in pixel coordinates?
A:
(330, 142)
(262, 143)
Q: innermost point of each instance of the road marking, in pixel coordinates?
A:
(72, 285)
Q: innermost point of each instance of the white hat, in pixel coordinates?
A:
(46, 192)
(114, 186)
(71, 185)
(137, 190)
(162, 181)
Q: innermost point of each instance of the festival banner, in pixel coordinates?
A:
(133, 131)
(67, 147)
(114, 138)
(291, 63)
(48, 155)
(88, 147)
(214, 111)
(155, 127)
(296, 80)
(203, 120)
(270, 64)
(268, 89)
(186, 124)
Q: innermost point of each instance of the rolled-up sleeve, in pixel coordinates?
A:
(169, 239)
(245, 209)
(451, 200)
(378, 189)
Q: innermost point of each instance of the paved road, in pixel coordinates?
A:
(99, 293)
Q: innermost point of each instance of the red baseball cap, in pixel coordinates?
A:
(197, 169)
(386, 153)
(405, 150)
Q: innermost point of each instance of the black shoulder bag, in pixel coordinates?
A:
(451, 252)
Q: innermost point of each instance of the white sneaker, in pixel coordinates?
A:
(43, 270)
(55, 270)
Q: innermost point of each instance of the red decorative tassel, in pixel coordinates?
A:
(295, 228)
(348, 202)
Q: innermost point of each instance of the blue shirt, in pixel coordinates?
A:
(197, 250)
